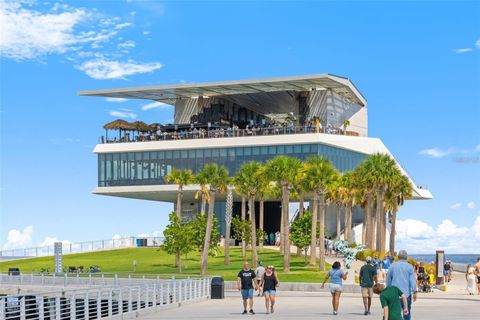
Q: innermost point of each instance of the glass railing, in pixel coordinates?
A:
(225, 133)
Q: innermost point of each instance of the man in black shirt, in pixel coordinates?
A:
(245, 284)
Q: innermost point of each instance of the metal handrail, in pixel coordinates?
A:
(231, 133)
(103, 302)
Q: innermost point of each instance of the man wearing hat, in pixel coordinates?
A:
(402, 276)
(368, 275)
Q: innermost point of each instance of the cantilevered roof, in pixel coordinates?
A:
(170, 93)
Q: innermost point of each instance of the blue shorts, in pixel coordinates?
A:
(270, 292)
(247, 294)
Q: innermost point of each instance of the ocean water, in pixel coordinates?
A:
(459, 261)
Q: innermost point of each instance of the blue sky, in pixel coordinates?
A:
(418, 64)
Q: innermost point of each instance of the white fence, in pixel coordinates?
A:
(100, 301)
(87, 246)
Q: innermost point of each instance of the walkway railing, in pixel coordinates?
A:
(103, 302)
(86, 246)
(231, 132)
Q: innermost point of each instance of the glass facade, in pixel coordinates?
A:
(149, 168)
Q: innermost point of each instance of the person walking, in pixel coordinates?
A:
(272, 238)
(477, 272)
(269, 282)
(367, 275)
(376, 264)
(401, 275)
(446, 271)
(471, 280)
(389, 299)
(384, 265)
(336, 285)
(245, 283)
(259, 272)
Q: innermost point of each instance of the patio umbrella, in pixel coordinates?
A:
(118, 124)
(140, 126)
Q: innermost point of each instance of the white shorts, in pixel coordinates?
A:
(335, 287)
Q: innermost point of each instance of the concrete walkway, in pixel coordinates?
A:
(303, 305)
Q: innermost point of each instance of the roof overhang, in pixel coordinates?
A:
(170, 93)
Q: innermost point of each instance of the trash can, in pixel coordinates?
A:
(218, 288)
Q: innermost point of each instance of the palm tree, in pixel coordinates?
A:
(202, 180)
(348, 196)
(264, 193)
(218, 181)
(382, 171)
(335, 196)
(365, 186)
(250, 176)
(301, 189)
(284, 170)
(321, 174)
(228, 222)
(400, 190)
(181, 178)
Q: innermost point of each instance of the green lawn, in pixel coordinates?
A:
(155, 261)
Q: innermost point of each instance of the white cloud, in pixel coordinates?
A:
(31, 34)
(455, 206)
(477, 148)
(118, 100)
(477, 44)
(156, 105)
(471, 205)
(50, 241)
(127, 44)
(435, 152)
(123, 25)
(419, 237)
(19, 239)
(101, 68)
(463, 50)
(123, 114)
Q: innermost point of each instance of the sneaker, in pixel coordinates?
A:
(267, 311)
(251, 311)
(365, 313)
(369, 313)
(334, 313)
(271, 309)
(244, 312)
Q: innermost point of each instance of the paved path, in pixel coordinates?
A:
(302, 305)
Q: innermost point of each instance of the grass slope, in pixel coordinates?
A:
(155, 261)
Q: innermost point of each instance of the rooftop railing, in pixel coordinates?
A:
(228, 133)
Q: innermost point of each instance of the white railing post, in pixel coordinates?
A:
(2, 308)
(40, 309)
(129, 299)
(110, 303)
(58, 314)
(154, 298)
(73, 307)
(65, 280)
(161, 294)
(120, 302)
(99, 303)
(139, 298)
(86, 307)
(174, 283)
(115, 280)
(90, 279)
(22, 308)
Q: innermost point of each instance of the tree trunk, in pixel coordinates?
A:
(348, 223)
(300, 215)
(254, 231)
(260, 241)
(392, 230)
(204, 204)
(384, 230)
(300, 207)
(379, 219)
(282, 229)
(178, 258)
(244, 247)
(208, 234)
(178, 261)
(370, 225)
(286, 256)
(364, 226)
(313, 241)
(339, 221)
(226, 260)
(322, 232)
